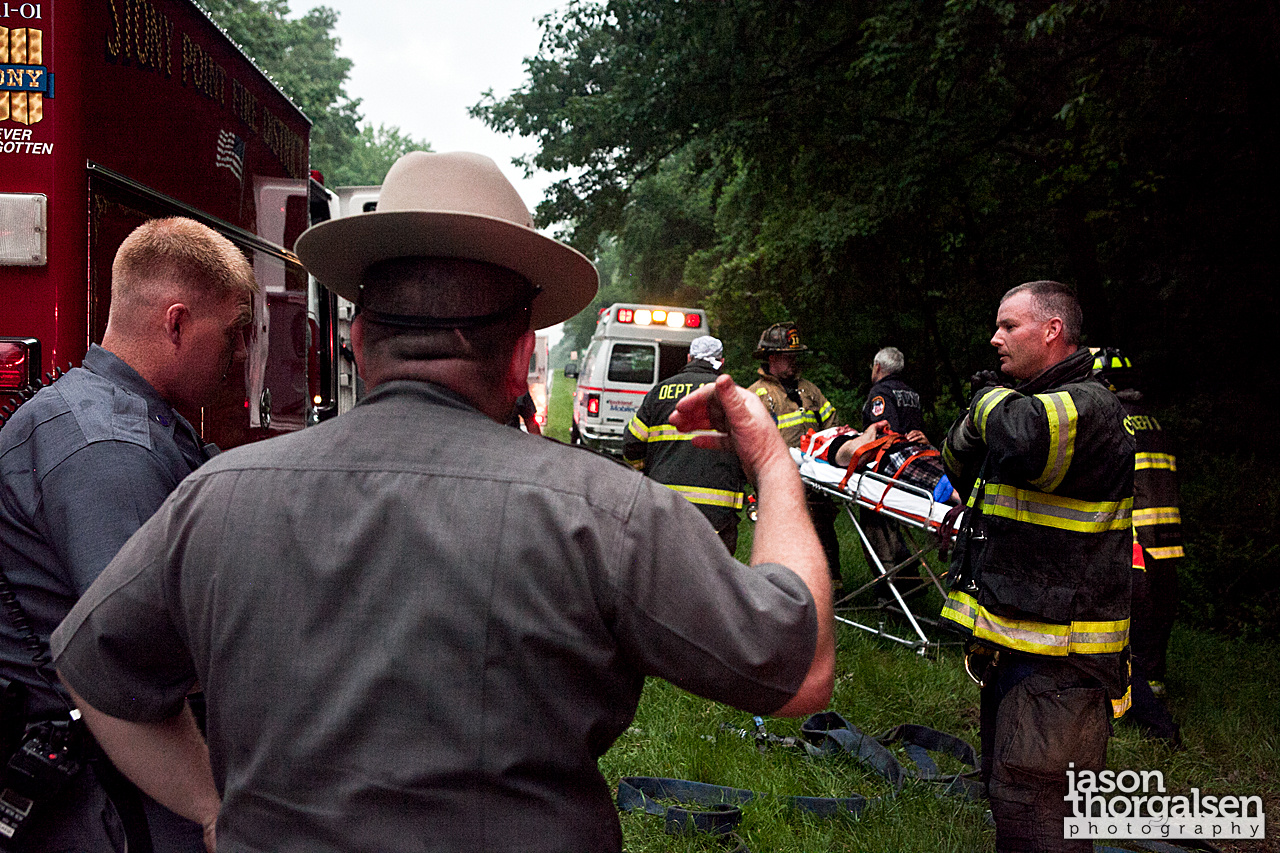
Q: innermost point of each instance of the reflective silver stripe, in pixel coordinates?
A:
(710, 497)
(1060, 412)
(1056, 511)
(1157, 515)
(987, 401)
(1042, 638)
(669, 433)
(797, 418)
(638, 429)
(1166, 553)
(1163, 461)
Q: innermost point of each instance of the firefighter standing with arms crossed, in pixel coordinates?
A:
(797, 406)
(1041, 571)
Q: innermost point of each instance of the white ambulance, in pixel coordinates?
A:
(634, 348)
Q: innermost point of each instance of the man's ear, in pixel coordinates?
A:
(1052, 330)
(517, 378)
(357, 345)
(176, 319)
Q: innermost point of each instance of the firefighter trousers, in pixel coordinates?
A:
(1038, 715)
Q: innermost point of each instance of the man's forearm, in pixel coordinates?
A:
(169, 760)
(784, 534)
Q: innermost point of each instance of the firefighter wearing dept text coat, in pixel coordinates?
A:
(712, 480)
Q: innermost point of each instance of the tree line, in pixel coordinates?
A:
(880, 171)
(302, 55)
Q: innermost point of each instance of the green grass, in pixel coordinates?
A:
(1225, 693)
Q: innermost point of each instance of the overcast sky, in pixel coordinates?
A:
(419, 64)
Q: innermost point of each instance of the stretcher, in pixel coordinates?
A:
(922, 521)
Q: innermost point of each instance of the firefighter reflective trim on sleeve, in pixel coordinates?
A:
(798, 418)
(1060, 411)
(667, 432)
(1156, 515)
(987, 401)
(710, 497)
(1167, 553)
(638, 429)
(1163, 461)
(1040, 638)
(1057, 511)
(826, 412)
(949, 458)
(638, 464)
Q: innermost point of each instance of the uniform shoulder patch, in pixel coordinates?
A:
(877, 407)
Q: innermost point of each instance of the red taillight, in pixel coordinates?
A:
(626, 315)
(692, 321)
(19, 364)
(593, 404)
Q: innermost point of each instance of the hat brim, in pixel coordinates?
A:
(338, 252)
(761, 353)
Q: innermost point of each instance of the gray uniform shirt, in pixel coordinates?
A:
(418, 629)
(83, 464)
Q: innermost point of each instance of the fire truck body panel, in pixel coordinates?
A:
(149, 110)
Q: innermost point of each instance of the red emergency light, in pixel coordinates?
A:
(593, 404)
(19, 363)
(659, 317)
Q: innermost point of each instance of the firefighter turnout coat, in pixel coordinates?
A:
(797, 410)
(712, 480)
(1156, 518)
(1043, 560)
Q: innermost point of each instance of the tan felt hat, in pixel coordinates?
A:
(454, 205)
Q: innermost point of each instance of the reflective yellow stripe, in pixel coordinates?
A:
(1040, 638)
(1163, 461)
(948, 458)
(710, 497)
(667, 432)
(1060, 410)
(1119, 706)
(1057, 511)
(638, 429)
(1167, 553)
(987, 401)
(1156, 515)
(800, 417)
(826, 411)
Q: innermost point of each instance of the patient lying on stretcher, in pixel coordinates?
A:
(906, 459)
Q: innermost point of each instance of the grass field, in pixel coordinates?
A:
(1224, 693)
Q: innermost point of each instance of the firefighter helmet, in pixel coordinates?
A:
(780, 337)
(1113, 367)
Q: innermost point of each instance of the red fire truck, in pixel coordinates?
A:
(113, 112)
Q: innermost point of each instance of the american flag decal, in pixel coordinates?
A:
(231, 153)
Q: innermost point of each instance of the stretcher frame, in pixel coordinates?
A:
(922, 541)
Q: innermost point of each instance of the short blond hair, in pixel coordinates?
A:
(176, 256)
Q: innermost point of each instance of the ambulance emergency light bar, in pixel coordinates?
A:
(659, 317)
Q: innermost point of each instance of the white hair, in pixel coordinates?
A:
(890, 360)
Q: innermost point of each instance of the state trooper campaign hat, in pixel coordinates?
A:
(451, 205)
(780, 337)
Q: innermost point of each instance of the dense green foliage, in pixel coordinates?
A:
(880, 171)
(301, 55)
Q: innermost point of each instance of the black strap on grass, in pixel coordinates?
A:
(823, 735)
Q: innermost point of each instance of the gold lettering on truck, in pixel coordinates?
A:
(22, 89)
